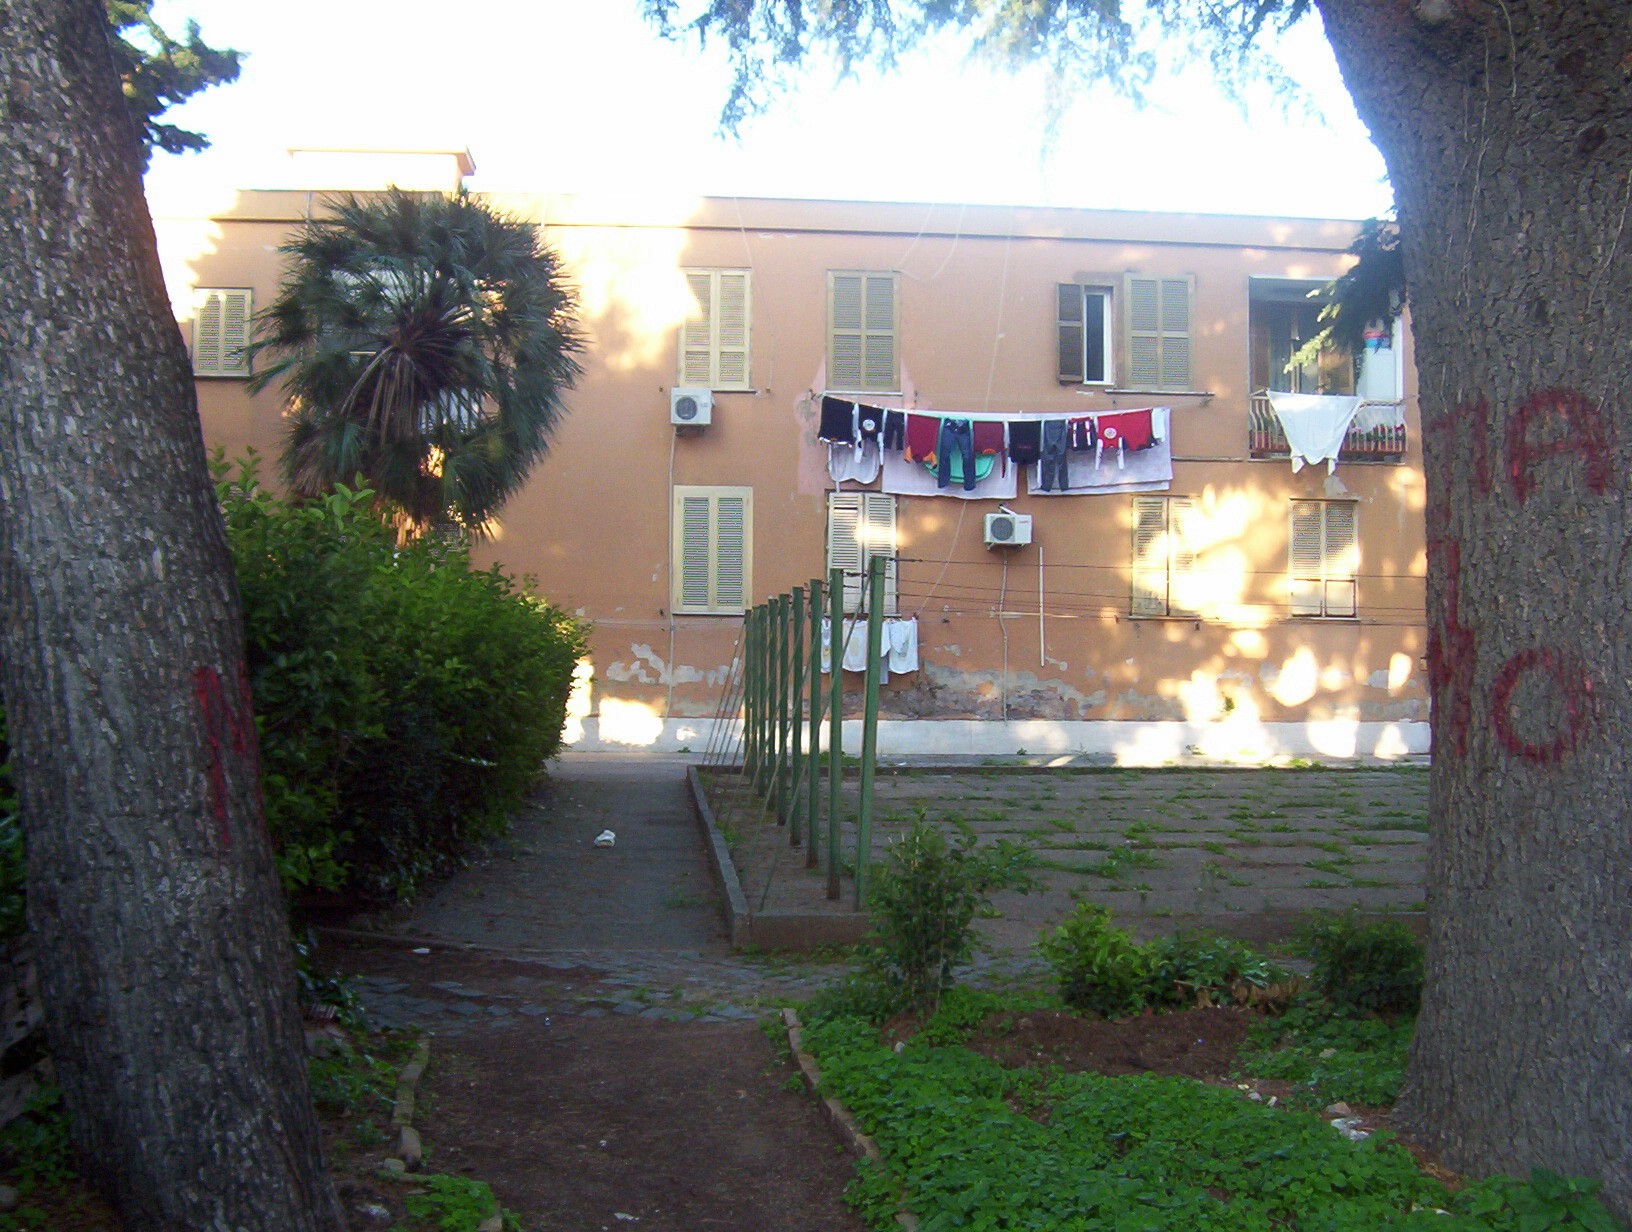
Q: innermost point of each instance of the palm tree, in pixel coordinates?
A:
(425, 342)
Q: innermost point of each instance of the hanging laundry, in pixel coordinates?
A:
(1025, 441)
(1080, 435)
(1056, 472)
(959, 435)
(1124, 431)
(859, 463)
(1315, 425)
(895, 430)
(903, 644)
(869, 422)
(838, 422)
(923, 434)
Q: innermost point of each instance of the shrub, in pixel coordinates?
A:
(405, 701)
(1375, 966)
(923, 905)
(1099, 967)
(1187, 966)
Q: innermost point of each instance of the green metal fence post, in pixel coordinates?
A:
(750, 682)
(796, 699)
(835, 726)
(813, 757)
(869, 726)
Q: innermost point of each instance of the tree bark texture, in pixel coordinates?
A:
(164, 954)
(1507, 129)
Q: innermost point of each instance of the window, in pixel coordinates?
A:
(714, 339)
(1325, 558)
(861, 328)
(1165, 580)
(1083, 320)
(1281, 319)
(861, 526)
(713, 540)
(221, 321)
(1158, 331)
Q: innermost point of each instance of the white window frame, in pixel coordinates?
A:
(1165, 546)
(711, 555)
(715, 338)
(1158, 312)
(1073, 334)
(223, 318)
(1323, 559)
(863, 331)
(860, 527)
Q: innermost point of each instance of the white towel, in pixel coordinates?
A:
(1315, 425)
(903, 641)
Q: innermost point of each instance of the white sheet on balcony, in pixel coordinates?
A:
(1314, 425)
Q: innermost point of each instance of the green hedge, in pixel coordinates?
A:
(406, 701)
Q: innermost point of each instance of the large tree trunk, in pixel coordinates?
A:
(1507, 129)
(165, 962)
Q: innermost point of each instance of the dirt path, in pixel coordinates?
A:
(597, 1059)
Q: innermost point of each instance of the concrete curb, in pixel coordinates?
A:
(766, 930)
(410, 1150)
(838, 1116)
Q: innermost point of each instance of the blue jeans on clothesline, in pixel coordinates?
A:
(961, 434)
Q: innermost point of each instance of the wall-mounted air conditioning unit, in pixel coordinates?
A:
(691, 408)
(1008, 530)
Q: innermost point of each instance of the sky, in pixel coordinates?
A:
(582, 96)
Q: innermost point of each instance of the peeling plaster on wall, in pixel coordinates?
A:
(940, 692)
(1132, 705)
(952, 649)
(645, 656)
(1378, 679)
(1334, 488)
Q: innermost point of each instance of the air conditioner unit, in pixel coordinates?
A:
(1008, 530)
(693, 408)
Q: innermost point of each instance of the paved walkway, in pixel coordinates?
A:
(546, 923)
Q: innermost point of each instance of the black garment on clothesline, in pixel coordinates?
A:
(838, 421)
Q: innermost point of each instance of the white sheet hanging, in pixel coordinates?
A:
(1315, 425)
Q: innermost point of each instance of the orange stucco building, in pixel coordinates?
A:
(1196, 595)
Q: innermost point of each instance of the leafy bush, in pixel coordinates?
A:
(1099, 967)
(1374, 967)
(405, 701)
(1188, 965)
(923, 904)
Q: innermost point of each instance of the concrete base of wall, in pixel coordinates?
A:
(764, 930)
(1107, 743)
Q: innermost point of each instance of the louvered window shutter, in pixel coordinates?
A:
(730, 553)
(733, 330)
(1158, 331)
(697, 334)
(844, 543)
(713, 535)
(862, 346)
(1308, 582)
(878, 510)
(1342, 559)
(1070, 326)
(1149, 592)
(221, 329)
(1185, 597)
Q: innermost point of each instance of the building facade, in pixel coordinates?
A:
(1179, 589)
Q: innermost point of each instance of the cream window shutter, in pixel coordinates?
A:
(862, 331)
(1149, 591)
(714, 336)
(712, 551)
(221, 331)
(1342, 559)
(1184, 592)
(860, 526)
(1158, 331)
(1307, 549)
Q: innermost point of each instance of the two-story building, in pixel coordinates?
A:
(1137, 568)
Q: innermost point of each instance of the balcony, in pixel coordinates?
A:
(1376, 435)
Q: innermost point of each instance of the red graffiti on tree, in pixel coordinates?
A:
(1452, 648)
(1572, 681)
(1551, 424)
(1568, 423)
(229, 724)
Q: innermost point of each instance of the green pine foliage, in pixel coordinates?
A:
(406, 701)
(159, 71)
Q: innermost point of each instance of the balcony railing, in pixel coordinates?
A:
(1376, 435)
